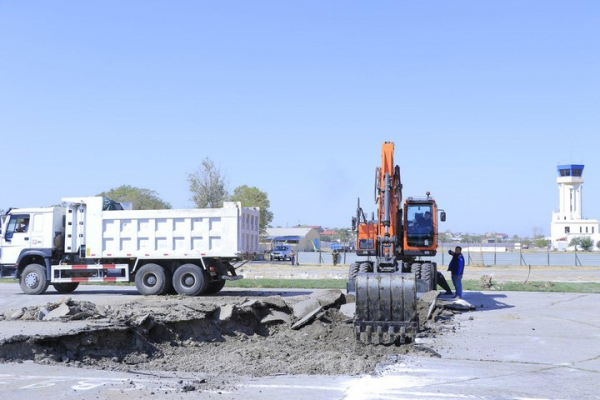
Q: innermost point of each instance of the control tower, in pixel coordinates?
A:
(568, 222)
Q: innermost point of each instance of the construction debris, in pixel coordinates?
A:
(310, 334)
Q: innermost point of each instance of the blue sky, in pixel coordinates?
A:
(482, 99)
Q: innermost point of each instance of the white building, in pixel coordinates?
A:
(567, 222)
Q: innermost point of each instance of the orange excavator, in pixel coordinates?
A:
(387, 282)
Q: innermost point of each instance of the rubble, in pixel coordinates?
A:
(308, 334)
(485, 282)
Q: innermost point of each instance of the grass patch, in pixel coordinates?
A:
(289, 283)
(561, 287)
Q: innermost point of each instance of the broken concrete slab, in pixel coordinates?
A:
(459, 305)
(275, 302)
(225, 312)
(307, 318)
(17, 314)
(249, 303)
(329, 298)
(275, 316)
(304, 307)
(430, 298)
(59, 312)
(42, 314)
(348, 309)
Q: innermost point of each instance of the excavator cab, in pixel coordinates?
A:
(420, 227)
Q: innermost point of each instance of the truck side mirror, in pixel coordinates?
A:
(443, 216)
(353, 224)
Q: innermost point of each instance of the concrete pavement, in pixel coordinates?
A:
(516, 345)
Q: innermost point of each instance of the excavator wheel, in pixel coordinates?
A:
(365, 267)
(385, 308)
(425, 275)
(351, 285)
(430, 269)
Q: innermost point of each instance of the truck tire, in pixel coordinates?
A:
(190, 280)
(151, 279)
(66, 287)
(215, 286)
(33, 279)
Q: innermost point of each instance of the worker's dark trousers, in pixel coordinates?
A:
(441, 281)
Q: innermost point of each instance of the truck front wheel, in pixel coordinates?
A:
(190, 280)
(151, 279)
(33, 279)
(66, 287)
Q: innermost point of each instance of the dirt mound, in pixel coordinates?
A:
(250, 336)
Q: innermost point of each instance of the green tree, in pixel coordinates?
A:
(254, 197)
(586, 243)
(142, 199)
(208, 186)
(344, 235)
(472, 238)
(576, 241)
(527, 242)
(444, 237)
(541, 242)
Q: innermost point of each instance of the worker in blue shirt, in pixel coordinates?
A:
(457, 267)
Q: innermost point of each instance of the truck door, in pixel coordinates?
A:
(16, 238)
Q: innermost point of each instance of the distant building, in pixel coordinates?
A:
(303, 239)
(567, 222)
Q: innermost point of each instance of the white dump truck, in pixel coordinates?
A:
(94, 239)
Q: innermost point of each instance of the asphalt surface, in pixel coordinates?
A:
(515, 346)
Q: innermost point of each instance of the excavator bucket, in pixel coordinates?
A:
(385, 308)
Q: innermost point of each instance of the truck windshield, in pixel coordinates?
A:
(419, 220)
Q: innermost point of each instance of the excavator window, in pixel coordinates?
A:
(366, 244)
(419, 220)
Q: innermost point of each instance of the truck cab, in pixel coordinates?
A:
(30, 235)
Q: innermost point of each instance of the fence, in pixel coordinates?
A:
(476, 256)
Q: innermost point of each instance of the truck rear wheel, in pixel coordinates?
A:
(66, 287)
(33, 279)
(215, 286)
(151, 279)
(190, 280)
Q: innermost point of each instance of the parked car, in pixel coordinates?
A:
(281, 252)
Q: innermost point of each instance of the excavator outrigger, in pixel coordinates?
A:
(386, 285)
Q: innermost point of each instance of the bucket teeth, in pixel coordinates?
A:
(385, 308)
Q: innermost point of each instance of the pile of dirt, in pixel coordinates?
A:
(216, 335)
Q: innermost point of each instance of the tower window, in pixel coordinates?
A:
(580, 229)
(567, 230)
(586, 228)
